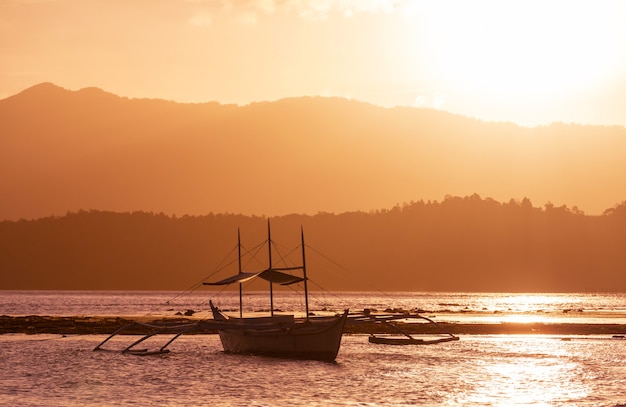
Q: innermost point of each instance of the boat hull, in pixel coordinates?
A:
(314, 340)
(409, 341)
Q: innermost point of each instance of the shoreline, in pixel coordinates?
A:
(96, 325)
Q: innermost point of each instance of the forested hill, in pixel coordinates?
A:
(459, 244)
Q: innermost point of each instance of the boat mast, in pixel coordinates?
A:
(269, 247)
(306, 290)
(240, 284)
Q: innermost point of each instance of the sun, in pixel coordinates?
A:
(526, 49)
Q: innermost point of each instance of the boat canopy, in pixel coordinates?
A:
(272, 275)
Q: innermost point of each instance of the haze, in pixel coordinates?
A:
(450, 145)
(528, 62)
(78, 150)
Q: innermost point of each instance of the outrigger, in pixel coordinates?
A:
(401, 336)
(153, 329)
(317, 338)
(362, 322)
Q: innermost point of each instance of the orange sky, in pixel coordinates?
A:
(530, 62)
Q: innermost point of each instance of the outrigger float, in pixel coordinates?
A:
(402, 336)
(255, 329)
(279, 324)
(153, 329)
(316, 338)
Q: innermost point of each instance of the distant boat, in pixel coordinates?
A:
(409, 340)
(315, 338)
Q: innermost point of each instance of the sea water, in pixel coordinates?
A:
(478, 370)
(448, 307)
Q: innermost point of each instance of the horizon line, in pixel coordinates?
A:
(343, 97)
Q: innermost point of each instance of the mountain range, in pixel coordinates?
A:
(99, 191)
(63, 150)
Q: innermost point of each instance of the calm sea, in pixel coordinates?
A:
(478, 370)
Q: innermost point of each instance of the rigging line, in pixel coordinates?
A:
(248, 253)
(220, 266)
(284, 259)
(346, 270)
(253, 256)
(297, 288)
(217, 293)
(260, 246)
(327, 258)
(325, 291)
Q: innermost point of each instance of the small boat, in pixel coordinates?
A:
(309, 337)
(402, 337)
(410, 340)
(315, 338)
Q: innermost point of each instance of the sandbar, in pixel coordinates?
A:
(91, 325)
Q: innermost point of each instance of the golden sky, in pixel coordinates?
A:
(530, 62)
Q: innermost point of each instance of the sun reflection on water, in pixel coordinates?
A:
(533, 302)
(523, 318)
(528, 370)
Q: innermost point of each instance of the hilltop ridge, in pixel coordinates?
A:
(68, 150)
(459, 244)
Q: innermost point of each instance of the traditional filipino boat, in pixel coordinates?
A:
(284, 335)
(316, 338)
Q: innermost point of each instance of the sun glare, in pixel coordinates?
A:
(509, 48)
(523, 319)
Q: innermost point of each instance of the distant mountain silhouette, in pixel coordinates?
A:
(64, 150)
